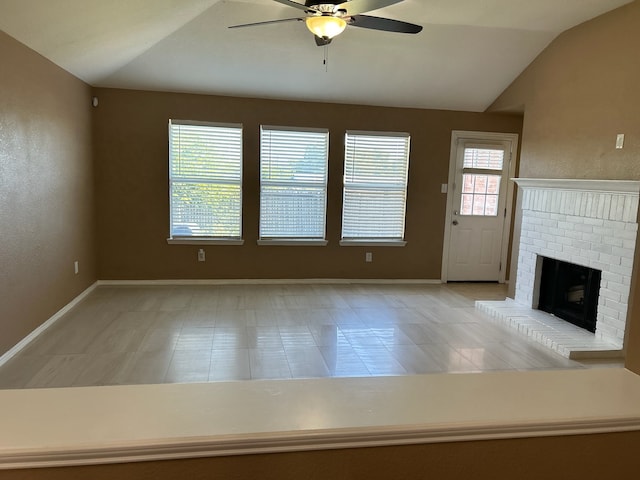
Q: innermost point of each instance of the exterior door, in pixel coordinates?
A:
(478, 210)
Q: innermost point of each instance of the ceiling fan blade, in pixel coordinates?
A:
(297, 5)
(354, 7)
(267, 22)
(385, 24)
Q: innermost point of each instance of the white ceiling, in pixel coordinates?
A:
(467, 54)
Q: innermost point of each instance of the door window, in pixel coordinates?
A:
(481, 177)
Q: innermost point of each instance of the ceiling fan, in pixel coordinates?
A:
(327, 20)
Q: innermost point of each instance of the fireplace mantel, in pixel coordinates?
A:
(613, 186)
(615, 200)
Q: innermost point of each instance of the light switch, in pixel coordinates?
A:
(444, 188)
(620, 141)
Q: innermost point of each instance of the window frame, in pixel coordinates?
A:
(373, 240)
(204, 239)
(285, 240)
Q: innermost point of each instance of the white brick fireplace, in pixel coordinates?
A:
(592, 223)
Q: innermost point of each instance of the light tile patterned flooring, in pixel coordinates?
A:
(172, 334)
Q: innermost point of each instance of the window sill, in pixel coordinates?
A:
(372, 243)
(205, 241)
(297, 242)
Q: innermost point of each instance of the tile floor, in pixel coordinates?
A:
(171, 334)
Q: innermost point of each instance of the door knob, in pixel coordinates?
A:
(455, 222)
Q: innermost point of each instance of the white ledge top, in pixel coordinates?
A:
(93, 425)
(618, 186)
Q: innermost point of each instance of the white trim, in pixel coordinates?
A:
(196, 123)
(282, 128)
(267, 443)
(47, 427)
(276, 281)
(617, 186)
(456, 136)
(372, 243)
(298, 242)
(34, 334)
(373, 133)
(204, 241)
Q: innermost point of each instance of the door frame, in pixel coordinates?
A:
(456, 137)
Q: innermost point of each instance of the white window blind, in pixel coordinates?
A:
(293, 183)
(483, 158)
(375, 185)
(205, 180)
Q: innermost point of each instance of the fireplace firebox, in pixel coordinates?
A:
(570, 292)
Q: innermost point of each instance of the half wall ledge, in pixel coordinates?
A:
(101, 425)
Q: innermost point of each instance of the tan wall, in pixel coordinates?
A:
(611, 456)
(46, 185)
(131, 154)
(577, 95)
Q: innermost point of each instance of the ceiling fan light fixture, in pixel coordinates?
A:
(325, 26)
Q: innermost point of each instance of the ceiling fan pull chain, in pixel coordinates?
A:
(326, 58)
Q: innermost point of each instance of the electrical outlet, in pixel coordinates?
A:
(368, 257)
(201, 255)
(76, 267)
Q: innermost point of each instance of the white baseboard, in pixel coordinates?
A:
(34, 334)
(276, 281)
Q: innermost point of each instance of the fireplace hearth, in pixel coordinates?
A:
(570, 292)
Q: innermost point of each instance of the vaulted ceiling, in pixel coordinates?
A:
(468, 52)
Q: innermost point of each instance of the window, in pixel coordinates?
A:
(375, 187)
(293, 184)
(205, 181)
(481, 176)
